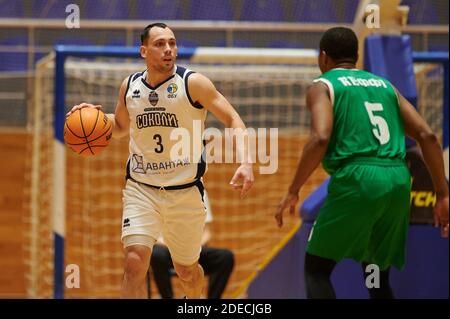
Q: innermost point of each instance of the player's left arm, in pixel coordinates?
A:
(417, 128)
(203, 91)
(319, 104)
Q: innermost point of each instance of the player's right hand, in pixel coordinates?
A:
(440, 213)
(80, 106)
(245, 174)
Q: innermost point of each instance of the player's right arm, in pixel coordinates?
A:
(319, 104)
(120, 119)
(418, 129)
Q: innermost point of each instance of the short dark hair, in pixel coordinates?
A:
(146, 32)
(341, 44)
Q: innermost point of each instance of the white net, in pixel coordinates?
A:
(430, 92)
(265, 96)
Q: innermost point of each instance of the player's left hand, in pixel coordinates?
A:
(290, 200)
(244, 173)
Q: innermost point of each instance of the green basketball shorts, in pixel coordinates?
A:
(366, 214)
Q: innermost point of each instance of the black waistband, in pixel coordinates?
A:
(174, 187)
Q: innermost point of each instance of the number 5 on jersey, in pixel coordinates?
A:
(381, 129)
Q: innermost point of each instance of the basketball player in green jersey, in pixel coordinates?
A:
(358, 126)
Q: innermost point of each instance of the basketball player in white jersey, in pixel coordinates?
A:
(163, 195)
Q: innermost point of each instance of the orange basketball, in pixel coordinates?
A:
(87, 131)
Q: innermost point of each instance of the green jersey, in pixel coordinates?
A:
(367, 120)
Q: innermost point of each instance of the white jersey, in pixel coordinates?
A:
(155, 114)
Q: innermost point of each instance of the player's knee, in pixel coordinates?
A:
(185, 273)
(135, 266)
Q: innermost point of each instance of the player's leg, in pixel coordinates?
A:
(384, 291)
(184, 222)
(137, 259)
(387, 245)
(341, 228)
(218, 265)
(191, 279)
(141, 225)
(161, 264)
(317, 277)
(344, 226)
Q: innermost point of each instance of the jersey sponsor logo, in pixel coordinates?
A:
(136, 94)
(154, 109)
(153, 98)
(172, 89)
(156, 119)
(352, 81)
(141, 167)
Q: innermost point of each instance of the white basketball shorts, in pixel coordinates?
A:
(179, 215)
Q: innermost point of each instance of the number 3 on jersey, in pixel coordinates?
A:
(158, 140)
(381, 129)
